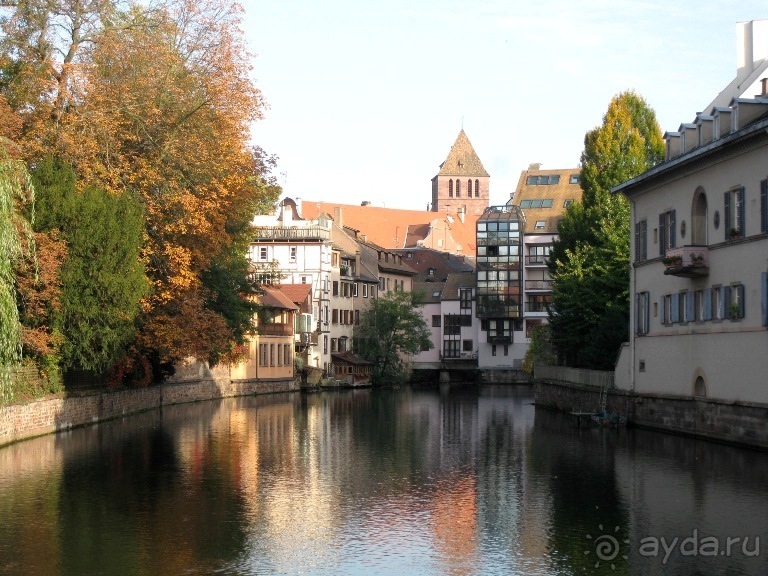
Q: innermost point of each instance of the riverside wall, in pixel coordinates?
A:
(193, 382)
(739, 423)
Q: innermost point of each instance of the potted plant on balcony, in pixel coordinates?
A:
(672, 261)
(734, 311)
(697, 259)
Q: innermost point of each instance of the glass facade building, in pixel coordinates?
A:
(500, 270)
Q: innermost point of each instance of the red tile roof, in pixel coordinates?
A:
(297, 293)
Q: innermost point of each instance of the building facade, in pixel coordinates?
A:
(699, 277)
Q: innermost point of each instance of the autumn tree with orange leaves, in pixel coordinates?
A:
(153, 98)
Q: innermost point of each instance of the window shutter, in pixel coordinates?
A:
(637, 241)
(727, 215)
(764, 290)
(647, 312)
(662, 236)
(672, 228)
(742, 306)
(637, 313)
(690, 307)
(725, 301)
(674, 303)
(707, 312)
(663, 302)
(742, 221)
(644, 240)
(764, 206)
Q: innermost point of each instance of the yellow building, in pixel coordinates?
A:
(271, 350)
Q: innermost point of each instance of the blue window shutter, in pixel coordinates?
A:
(674, 302)
(764, 290)
(727, 215)
(662, 236)
(663, 302)
(647, 309)
(707, 312)
(637, 313)
(742, 304)
(764, 206)
(690, 307)
(672, 229)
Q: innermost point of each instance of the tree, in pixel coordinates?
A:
(157, 99)
(391, 327)
(102, 277)
(589, 262)
(16, 240)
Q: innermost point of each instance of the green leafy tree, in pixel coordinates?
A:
(390, 328)
(16, 240)
(103, 278)
(589, 263)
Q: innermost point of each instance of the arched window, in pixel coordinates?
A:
(700, 388)
(699, 218)
(469, 188)
(477, 188)
(458, 188)
(450, 188)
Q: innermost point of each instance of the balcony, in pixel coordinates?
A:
(537, 260)
(687, 262)
(538, 285)
(276, 329)
(294, 233)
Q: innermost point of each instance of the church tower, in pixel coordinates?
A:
(461, 185)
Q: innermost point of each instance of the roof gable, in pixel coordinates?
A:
(462, 160)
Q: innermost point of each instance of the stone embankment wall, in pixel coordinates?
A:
(736, 423)
(192, 383)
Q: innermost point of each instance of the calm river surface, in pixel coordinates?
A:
(458, 482)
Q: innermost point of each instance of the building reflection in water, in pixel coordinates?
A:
(455, 482)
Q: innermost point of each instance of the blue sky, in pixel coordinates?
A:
(366, 98)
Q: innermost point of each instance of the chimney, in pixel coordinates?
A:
(338, 216)
(364, 237)
(357, 262)
(751, 45)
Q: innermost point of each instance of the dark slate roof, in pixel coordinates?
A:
(443, 263)
(455, 282)
(558, 193)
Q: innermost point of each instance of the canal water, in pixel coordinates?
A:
(451, 482)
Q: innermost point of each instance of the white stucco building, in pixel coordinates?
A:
(699, 323)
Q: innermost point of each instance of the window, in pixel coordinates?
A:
(666, 231)
(641, 241)
(303, 279)
(477, 188)
(466, 345)
(540, 224)
(335, 316)
(451, 324)
(642, 300)
(469, 188)
(334, 345)
(263, 253)
(450, 188)
(450, 349)
(536, 203)
(357, 317)
(574, 179)
(506, 349)
(287, 355)
(431, 272)
(365, 290)
(465, 295)
(343, 344)
(381, 283)
(734, 212)
(335, 259)
(493, 350)
(325, 344)
(293, 253)
(543, 180)
(436, 320)
(736, 305)
(335, 287)
(458, 188)
(567, 202)
(685, 306)
(354, 290)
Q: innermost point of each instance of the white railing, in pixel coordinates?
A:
(599, 378)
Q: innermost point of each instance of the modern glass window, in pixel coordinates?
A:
(545, 180)
(465, 296)
(436, 321)
(540, 225)
(574, 179)
(450, 349)
(540, 203)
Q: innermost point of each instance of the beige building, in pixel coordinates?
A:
(699, 277)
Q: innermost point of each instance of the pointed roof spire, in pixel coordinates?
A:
(462, 160)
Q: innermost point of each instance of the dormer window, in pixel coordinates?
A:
(431, 272)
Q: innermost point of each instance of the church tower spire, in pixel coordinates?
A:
(462, 183)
